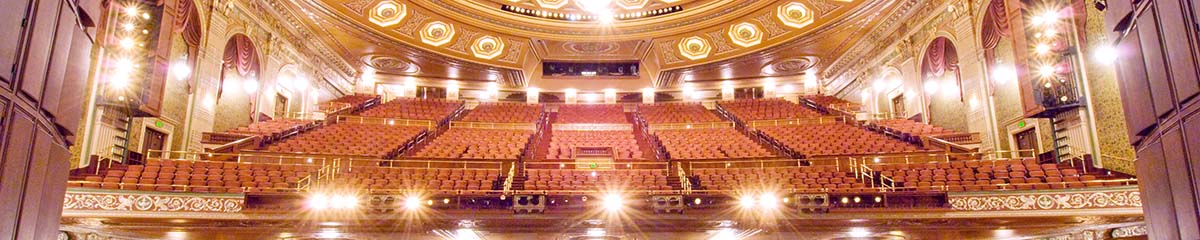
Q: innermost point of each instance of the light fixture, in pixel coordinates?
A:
(250, 85)
(747, 202)
(1002, 74)
(931, 86)
(318, 201)
(768, 201)
(131, 10)
(596, 6)
(181, 70)
(127, 43)
(412, 203)
(613, 202)
(1107, 54)
(1042, 49)
(1046, 70)
(344, 202)
(858, 232)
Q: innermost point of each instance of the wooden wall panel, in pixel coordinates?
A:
(46, 61)
(1158, 72)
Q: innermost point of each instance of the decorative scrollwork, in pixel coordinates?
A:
(151, 202)
(1048, 201)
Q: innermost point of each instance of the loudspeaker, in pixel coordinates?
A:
(529, 204)
(667, 203)
(812, 203)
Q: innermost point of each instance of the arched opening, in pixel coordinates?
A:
(185, 44)
(997, 45)
(239, 84)
(942, 82)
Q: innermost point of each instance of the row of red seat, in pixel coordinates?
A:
(198, 176)
(563, 143)
(712, 143)
(434, 109)
(801, 179)
(387, 178)
(591, 180)
(659, 113)
(829, 139)
(500, 112)
(354, 139)
(766, 109)
(591, 113)
(273, 128)
(468, 143)
(977, 175)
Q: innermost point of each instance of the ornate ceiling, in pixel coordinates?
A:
(478, 41)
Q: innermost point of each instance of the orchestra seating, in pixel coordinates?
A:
(835, 139)
(591, 180)
(468, 143)
(623, 143)
(274, 128)
(978, 175)
(198, 176)
(712, 143)
(355, 139)
(499, 112)
(388, 178)
(415, 108)
(800, 179)
(659, 113)
(591, 113)
(766, 109)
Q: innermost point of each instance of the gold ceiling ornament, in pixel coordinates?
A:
(437, 33)
(387, 13)
(745, 34)
(795, 14)
(487, 47)
(551, 4)
(694, 47)
(632, 4)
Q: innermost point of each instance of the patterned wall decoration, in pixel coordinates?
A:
(151, 202)
(1130, 231)
(1124, 197)
(591, 48)
(390, 64)
(409, 28)
(790, 66)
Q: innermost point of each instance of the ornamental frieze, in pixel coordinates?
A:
(1095, 199)
(152, 202)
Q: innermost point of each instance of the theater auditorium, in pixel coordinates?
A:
(599, 119)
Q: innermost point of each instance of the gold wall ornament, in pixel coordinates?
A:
(694, 47)
(795, 14)
(632, 4)
(437, 33)
(82, 199)
(387, 13)
(551, 4)
(745, 34)
(1095, 198)
(487, 47)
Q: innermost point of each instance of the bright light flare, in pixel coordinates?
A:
(1107, 54)
(613, 202)
(412, 203)
(318, 202)
(768, 201)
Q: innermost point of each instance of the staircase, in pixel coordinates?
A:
(643, 139)
(1067, 125)
(121, 120)
(542, 147)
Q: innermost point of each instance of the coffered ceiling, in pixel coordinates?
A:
(478, 41)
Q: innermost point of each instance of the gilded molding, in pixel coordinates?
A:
(151, 201)
(1125, 197)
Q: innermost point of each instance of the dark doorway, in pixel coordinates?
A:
(154, 140)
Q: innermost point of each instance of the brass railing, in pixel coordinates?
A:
(486, 125)
(676, 126)
(684, 182)
(795, 121)
(508, 180)
(580, 165)
(386, 121)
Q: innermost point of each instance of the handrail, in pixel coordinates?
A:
(949, 146)
(592, 126)
(590, 166)
(250, 140)
(508, 180)
(795, 121)
(676, 126)
(429, 124)
(684, 181)
(239, 157)
(845, 162)
(489, 125)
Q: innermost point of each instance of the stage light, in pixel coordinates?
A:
(845, 200)
(878, 199)
(768, 201)
(318, 201)
(1046, 70)
(613, 202)
(412, 203)
(131, 10)
(127, 43)
(1042, 49)
(344, 202)
(747, 202)
(697, 201)
(857, 199)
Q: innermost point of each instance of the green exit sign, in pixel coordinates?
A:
(1021, 124)
(158, 123)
